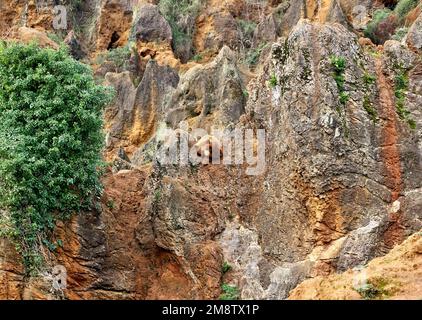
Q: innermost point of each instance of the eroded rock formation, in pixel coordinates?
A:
(343, 178)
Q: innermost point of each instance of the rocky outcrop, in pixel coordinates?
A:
(414, 36)
(343, 178)
(151, 26)
(132, 117)
(114, 23)
(120, 252)
(209, 93)
(216, 26)
(28, 35)
(17, 13)
(395, 276)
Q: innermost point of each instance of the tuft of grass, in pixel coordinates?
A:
(344, 97)
(252, 56)
(110, 204)
(372, 113)
(247, 30)
(181, 15)
(401, 81)
(369, 79)
(56, 37)
(273, 81)
(400, 34)
(230, 292)
(376, 289)
(157, 195)
(403, 7)
(245, 94)
(411, 123)
(226, 267)
(119, 57)
(339, 66)
(197, 58)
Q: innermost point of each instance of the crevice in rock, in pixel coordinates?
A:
(114, 38)
(390, 153)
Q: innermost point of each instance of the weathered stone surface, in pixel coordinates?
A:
(339, 188)
(217, 27)
(397, 275)
(133, 115)
(213, 91)
(151, 26)
(28, 35)
(414, 36)
(113, 23)
(318, 191)
(11, 272)
(17, 13)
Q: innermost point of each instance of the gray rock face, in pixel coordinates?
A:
(332, 171)
(359, 246)
(343, 179)
(339, 188)
(151, 26)
(212, 91)
(259, 277)
(414, 36)
(267, 30)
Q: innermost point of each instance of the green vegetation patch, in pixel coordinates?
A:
(226, 267)
(377, 288)
(118, 56)
(369, 80)
(401, 81)
(181, 15)
(403, 7)
(273, 81)
(50, 143)
(230, 292)
(339, 66)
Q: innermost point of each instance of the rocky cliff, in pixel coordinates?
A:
(342, 183)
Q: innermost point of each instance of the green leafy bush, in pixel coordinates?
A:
(229, 292)
(50, 142)
(339, 66)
